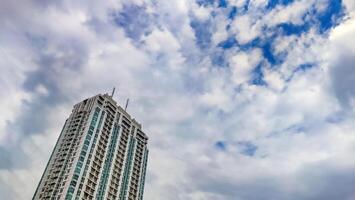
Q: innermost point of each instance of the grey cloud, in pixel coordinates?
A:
(343, 78)
(53, 62)
(69, 57)
(232, 189)
(13, 158)
(6, 191)
(134, 20)
(322, 180)
(328, 182)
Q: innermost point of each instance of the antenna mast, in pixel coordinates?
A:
(126, 104)
(113, 91)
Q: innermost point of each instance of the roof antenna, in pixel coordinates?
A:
(126, 104)
(113, 91)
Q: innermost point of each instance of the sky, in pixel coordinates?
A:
(241, 99)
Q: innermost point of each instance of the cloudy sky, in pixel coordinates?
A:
(241, 99)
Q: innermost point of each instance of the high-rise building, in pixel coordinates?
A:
(101, 153)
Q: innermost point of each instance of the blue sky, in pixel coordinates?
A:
(241, 99)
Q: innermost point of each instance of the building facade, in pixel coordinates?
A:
(101, 153)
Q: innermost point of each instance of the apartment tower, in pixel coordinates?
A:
(101, 154)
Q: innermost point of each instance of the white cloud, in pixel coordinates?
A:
(202, 13)
(220, 34)
(274, 80)
(350, 5)
(238, 3)
(186, 104)
(218, 98)
(246, 28)
(292, 13)
(341, 36)
(243, 63)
